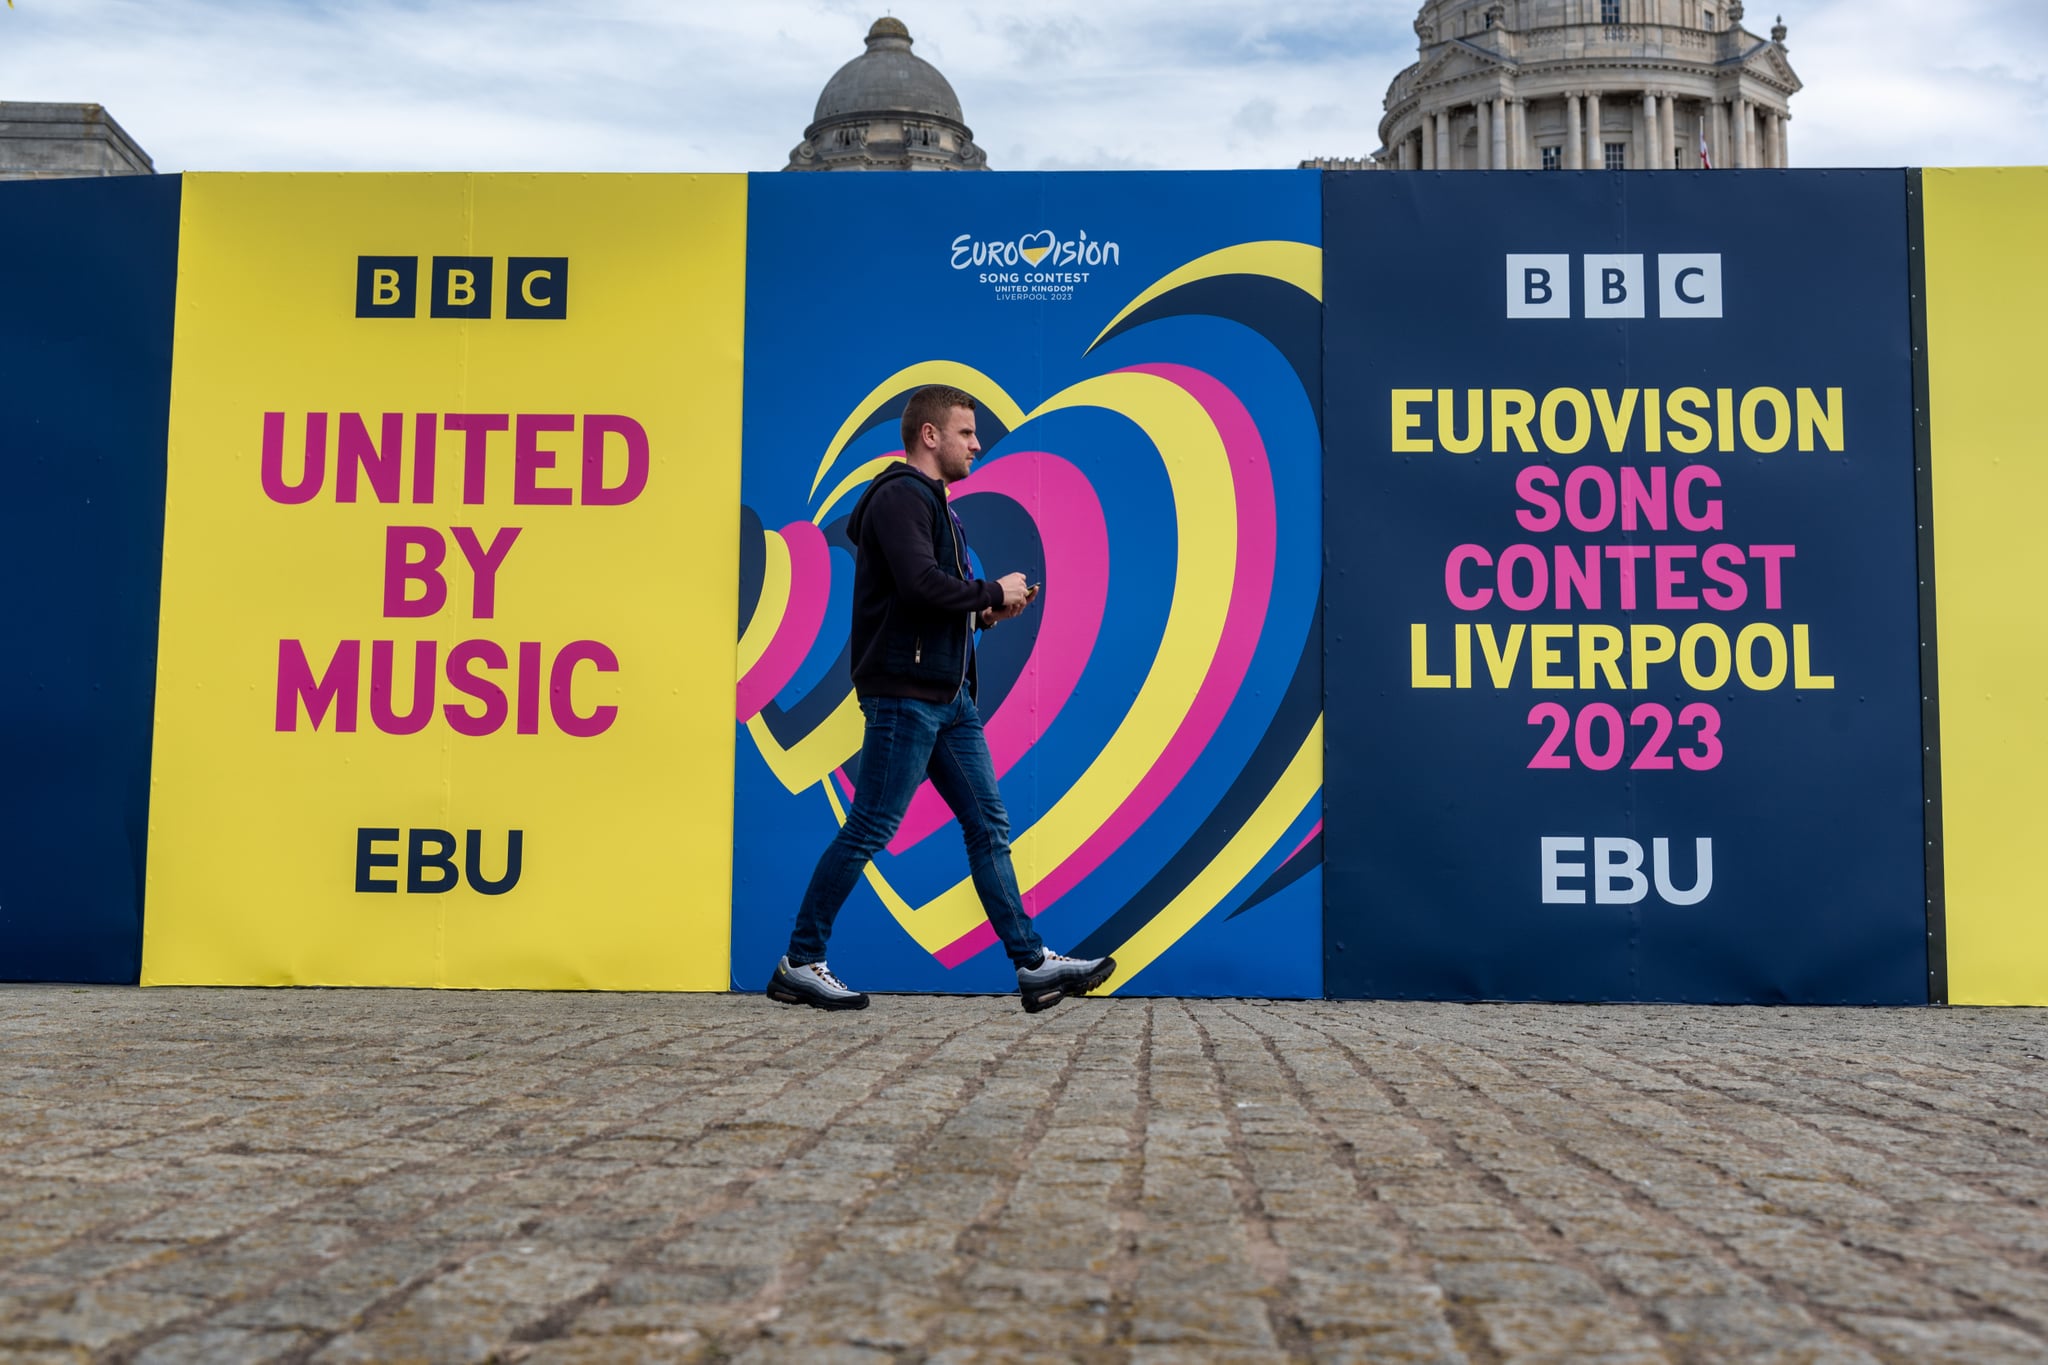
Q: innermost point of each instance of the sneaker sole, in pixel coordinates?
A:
(1035, 1001)
(786, 996)
(1102, 974)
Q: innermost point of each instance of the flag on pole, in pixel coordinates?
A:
(1706, 162)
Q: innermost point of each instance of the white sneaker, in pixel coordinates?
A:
(813, 985)
(1057, 976)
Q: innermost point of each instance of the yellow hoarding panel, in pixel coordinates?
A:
(1987, 324)
(445, 685)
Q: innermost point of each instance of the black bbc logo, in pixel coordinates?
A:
(462, 287)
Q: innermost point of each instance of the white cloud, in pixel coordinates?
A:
(1911, 83)
(646, 85)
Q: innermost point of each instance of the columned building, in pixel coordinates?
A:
(887, 110)
(1588, 84)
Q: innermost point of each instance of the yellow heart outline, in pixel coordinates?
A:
(1204, 494)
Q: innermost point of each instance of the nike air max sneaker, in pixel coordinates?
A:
(813, 985)
(1056, 977)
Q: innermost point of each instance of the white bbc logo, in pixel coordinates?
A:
(1614, 285)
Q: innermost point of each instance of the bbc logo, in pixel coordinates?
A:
(1615, 286)
(462, 287)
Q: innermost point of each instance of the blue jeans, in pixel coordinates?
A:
(908, 740)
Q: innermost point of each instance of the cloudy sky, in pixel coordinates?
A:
(663, 85)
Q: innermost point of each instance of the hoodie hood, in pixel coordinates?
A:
(901, 469)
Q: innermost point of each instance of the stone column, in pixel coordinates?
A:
(1596, 155)
(1523, 156)
(1482, 141)
(1574, 142)
(1443, 141)
(1500, 134)
(1784, 140)
(1648, 159)
(1738, 108)
(1669, 145)
(1718, 109)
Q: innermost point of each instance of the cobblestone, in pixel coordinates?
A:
(330, 1176)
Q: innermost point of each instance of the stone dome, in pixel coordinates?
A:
(887, 78)
(887, 109)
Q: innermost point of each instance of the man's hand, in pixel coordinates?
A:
(1017, 595)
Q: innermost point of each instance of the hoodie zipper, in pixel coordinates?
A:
(959, 567)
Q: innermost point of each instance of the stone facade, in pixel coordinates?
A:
(62, 141)
(1586, 84)
(887, 110)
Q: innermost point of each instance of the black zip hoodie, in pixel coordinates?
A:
(914, 606)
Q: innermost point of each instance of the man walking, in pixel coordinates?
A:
(915, 611)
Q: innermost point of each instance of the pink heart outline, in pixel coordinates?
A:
(810, 590)
(1076, 594)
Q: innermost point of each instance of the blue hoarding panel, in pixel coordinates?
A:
(1622, 642)
(1145, 356)
(85, 329)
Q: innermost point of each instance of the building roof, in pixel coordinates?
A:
(56, 141)
(888, 78)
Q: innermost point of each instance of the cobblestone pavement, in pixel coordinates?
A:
(230, 1176)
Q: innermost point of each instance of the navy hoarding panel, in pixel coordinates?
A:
(1621, 644)
(1144, 354)
(85, 329)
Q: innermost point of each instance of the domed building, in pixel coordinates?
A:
(1587, 84)
(887, 110)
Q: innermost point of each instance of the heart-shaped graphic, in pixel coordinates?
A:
(1076, 582)
(1223, 508)
(1034, 254)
